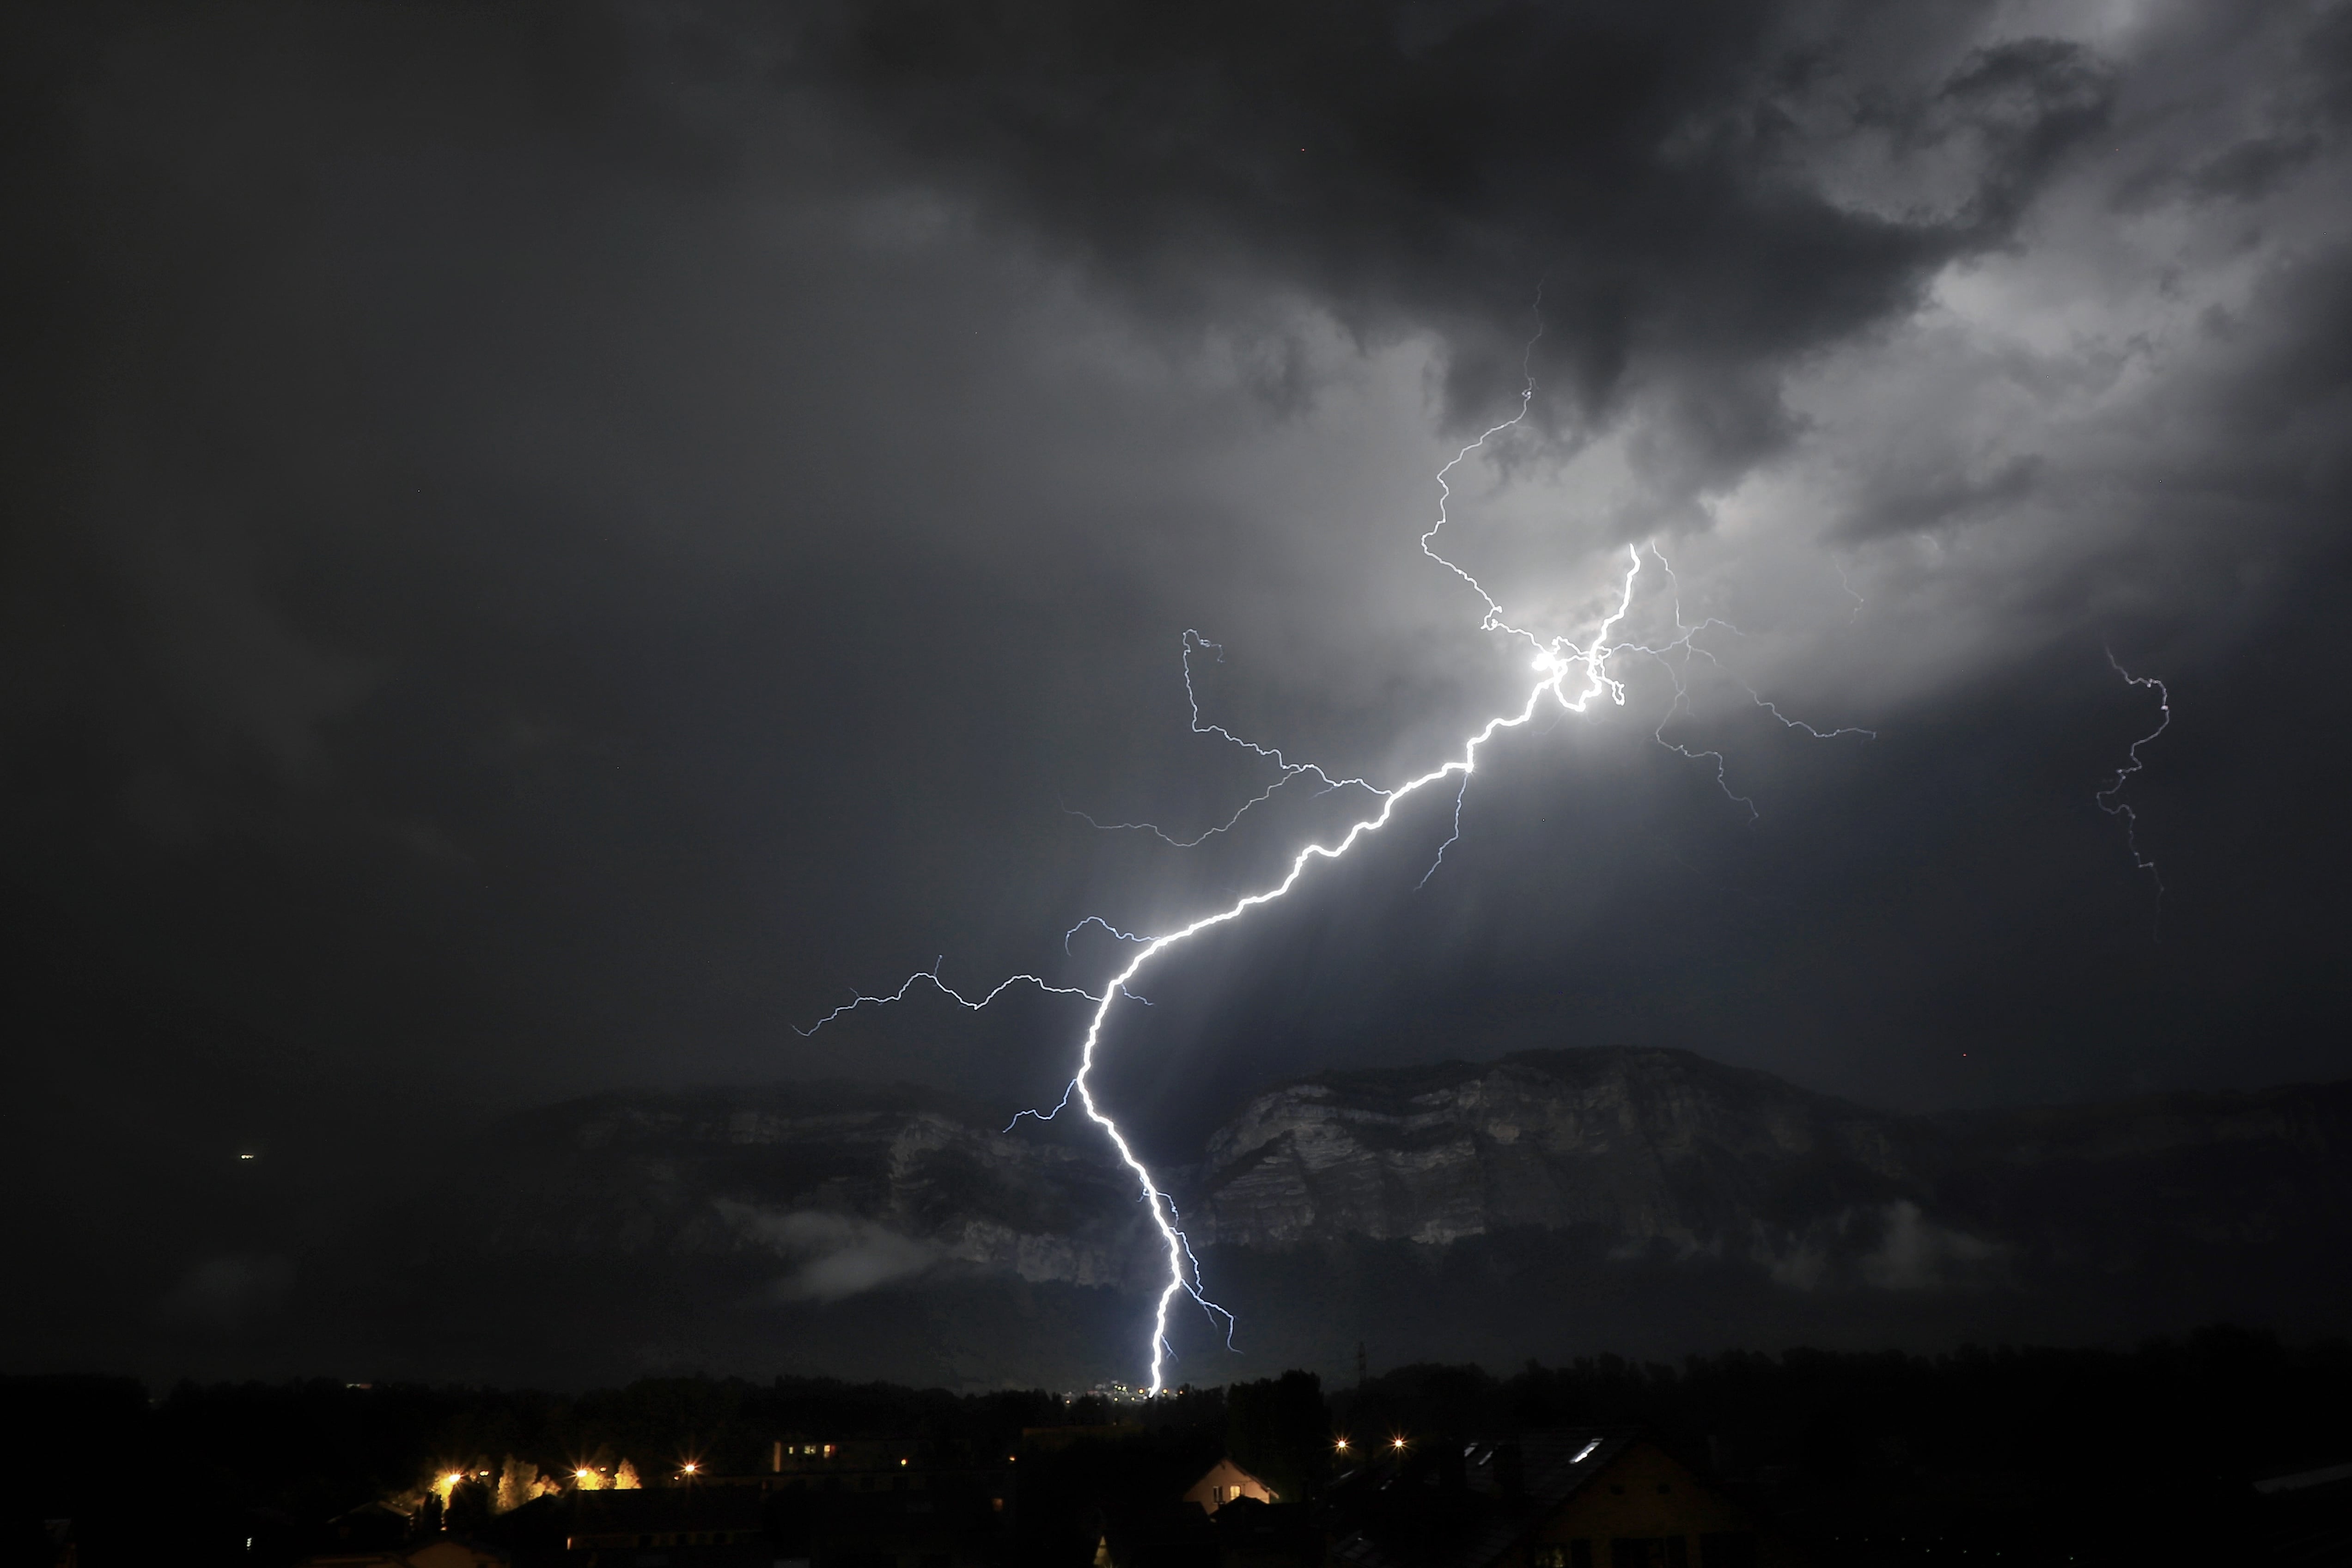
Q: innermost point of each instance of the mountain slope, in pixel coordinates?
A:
(1549, 1203)
(1648, 1144)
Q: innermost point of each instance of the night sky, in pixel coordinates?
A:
(547, 547)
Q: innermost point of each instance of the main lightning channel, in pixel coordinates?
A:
(1554, 667)
(1556, 662)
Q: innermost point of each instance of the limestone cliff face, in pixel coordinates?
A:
(1646, 1144)
(836, 1190)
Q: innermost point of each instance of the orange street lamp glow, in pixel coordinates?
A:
(691, 1466)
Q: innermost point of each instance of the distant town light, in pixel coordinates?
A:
(1396, 1442)
(1342, 1444)
(691, 1466)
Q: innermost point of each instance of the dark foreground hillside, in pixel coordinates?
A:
(2016, 1455)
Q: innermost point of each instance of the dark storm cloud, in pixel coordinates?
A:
(1418, 167)
(1718, 211)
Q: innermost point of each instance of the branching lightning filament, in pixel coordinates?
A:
(2108, 798)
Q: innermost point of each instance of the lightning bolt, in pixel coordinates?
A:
(2107, 797)
(1569, 674)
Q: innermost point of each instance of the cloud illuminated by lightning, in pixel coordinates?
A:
(1566, 672)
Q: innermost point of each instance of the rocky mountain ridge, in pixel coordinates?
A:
(855, 1187)
(1650, 1144)
(1551, 1203)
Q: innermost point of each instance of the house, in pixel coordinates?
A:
(665, 1517)
(1224, 1482)
(1566, 1497)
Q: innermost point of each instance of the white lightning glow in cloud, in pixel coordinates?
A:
(1566, 672)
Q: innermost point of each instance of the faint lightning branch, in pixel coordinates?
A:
(1289, 770)
(1685, 642)
(944, 989)
(1492, 620)
(1706, 754)
(1453, 837)
(1788, 723)
(1685, 639)
(1098, 921)
(1193, 639)
(2107, 797)
(1210, 1307)
(1846, 583)
(1044, 1115)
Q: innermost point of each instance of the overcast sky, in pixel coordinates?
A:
(547, 547)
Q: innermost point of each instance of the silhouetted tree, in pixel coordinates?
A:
(1278, 1430)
